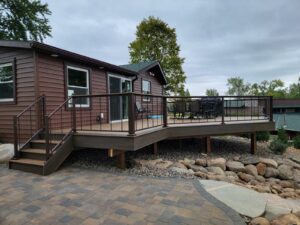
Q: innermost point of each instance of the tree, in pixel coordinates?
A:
(24, 20)
(273, 88)
(212, 92)
(294, 90)
(155, 40)
(237, 86)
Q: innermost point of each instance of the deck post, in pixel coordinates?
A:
(73, 115)
(43, 111)
(271, 108)
(131, 118)
(47, 137)
(223, 111)
(121, 160)
(155, 148)
(165, 111)
(253, 143)
(16, 142)
(207, 144)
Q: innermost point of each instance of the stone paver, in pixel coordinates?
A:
(79, 196)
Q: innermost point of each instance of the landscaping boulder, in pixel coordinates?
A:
(6, 152)
(180, 170)
(260, 179)
(179, 165)
(201, 162)
(271, 172)
(261, 169)
(286, 184)
(285, 172)
(269, 162)
(288, 219)
(197, 168)
(218, 162)
(250, 160)
(235, 166)
(215, 170)
(250, 169)
(200, 174)
(259, 221)
(164, 164)
(245, 177)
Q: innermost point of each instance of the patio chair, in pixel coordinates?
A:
(195, 108)
(139, 109)
(179, 108)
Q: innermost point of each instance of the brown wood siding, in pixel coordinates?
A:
(25, 93)
(52, 84)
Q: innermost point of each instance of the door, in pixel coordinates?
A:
(119, 104)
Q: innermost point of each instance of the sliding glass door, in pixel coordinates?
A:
(119, 104)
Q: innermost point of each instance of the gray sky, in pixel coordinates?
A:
(219, 39)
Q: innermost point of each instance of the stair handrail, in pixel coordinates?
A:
(49, 131)
(40, 114)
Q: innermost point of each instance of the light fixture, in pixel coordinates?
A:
(54, 55)
(111, 152)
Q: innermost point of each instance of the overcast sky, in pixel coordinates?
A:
(219, 39)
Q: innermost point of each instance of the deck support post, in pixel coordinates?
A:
(121, 160)
(253, 143)
(155, 148)
(207, 144)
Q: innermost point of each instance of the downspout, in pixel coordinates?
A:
(134, 79)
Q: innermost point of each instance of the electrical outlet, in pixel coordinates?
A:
(102, 115)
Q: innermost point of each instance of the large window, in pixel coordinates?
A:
(146, 89)
(6, 82)
(78, 84)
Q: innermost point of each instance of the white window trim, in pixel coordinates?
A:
(146, 98)
(7, 82)
(73, 86)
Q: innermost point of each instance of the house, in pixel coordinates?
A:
(53, 101)
(286, 114)
(32, 69)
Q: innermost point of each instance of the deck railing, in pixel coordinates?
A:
(132, 112)
(29, 123)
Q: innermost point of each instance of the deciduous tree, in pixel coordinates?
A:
(212, 92)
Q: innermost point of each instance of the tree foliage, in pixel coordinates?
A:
(212, 92)
(24, 20)
(274, 88)
(237, 86)
(155, 40)
(294, 90)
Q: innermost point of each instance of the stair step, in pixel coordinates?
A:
(34, 150)
(43, 141)
(28, 161)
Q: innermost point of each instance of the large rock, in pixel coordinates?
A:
(243, 200)
(197, 168)
(179, 165)
(269, 162)
(250, 160)
(201, 162)
(164, 164)
(296, 174)
(245, 177)
(285, 172)
(180, 170)
(259, 221)
(216, 170)
(286, 184)
(260, 178)
(288, 219)
(261, 169)
(295, 158)
(235, 166)
(271, 172)
(6, 152)
(218, 162)
(250, 169)
(201, 175)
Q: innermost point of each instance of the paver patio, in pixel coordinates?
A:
(81, 196)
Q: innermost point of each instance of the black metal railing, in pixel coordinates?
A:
(28, 124)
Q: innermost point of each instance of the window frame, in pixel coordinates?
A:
(146, 98)
(88, 87)
(12, 100)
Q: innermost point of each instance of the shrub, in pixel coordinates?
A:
(296, 141)
(282, 135)
(278, 147)
(263, 136)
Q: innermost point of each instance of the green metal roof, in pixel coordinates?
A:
(136, 67)
(290, 121)
(234, 103)
(286, 106)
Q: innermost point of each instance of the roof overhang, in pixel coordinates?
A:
(156, 64)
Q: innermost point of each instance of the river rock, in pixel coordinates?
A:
(6, 152)
(286, 184)
(259, 221)
(200, 174)
(285, 172)
(218, 162)
(288, 219)
(269, 162)
(179, 165)
(261, 168)
(260, 178)
(216, 170)
(295, 158)
(235, 166)
(250, 169)
(271, 172)
(201, 162)
(180, 170)
(250, 160)
(164, 164)
(197, 168)
(245, 177)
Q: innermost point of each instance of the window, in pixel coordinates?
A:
(78, 84)
(146, 89)
(6, 82)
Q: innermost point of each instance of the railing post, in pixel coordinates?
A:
(165, 111)
(43, 111)
(271, 108)
(223, 111)
(131, 117)
(73, 115)
(47, 137)
(16, 141)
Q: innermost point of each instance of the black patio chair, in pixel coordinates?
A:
(140, 110)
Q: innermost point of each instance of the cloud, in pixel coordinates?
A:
(219, 39)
